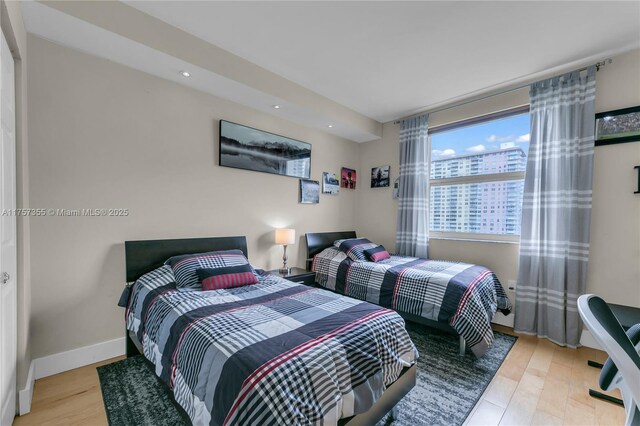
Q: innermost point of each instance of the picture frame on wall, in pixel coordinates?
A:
(396, 188)
(309, 191)
(243, 147)
(380, 177)
(618, 126)
(330, 183)
(348, 178)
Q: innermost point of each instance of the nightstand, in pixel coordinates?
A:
(297, 275)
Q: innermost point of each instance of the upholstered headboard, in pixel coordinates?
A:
(318, 241)
(147, 255)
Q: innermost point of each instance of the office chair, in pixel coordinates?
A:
(608, 332)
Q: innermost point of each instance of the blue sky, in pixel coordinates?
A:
(504, 133)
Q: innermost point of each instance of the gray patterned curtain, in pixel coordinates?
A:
(412, 232)
(556, 212)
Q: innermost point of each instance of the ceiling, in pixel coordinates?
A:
(383, 60)
(386, 59)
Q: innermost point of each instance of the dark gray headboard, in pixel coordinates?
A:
(318, 241)
(147, 255)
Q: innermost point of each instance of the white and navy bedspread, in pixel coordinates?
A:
(273, 353)
(462, 295)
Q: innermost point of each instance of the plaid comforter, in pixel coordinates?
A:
(464, 296)
(270, 353)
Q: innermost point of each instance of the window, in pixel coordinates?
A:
(477, 176)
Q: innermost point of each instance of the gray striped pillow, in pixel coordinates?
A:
(184, 266)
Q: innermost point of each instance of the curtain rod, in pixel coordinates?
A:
(598, 65)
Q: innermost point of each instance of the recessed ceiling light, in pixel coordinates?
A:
(185, 73)
(330, 125)
(276, 106)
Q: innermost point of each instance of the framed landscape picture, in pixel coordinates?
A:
(330, 183)
(380, 177)
(243, 147)
(348, 178)
(309, 191)
(618, 126)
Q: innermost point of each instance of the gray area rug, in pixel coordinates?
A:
(134, 395)
(448, 386)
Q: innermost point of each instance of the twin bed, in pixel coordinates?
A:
(273, 352)
(277, 352)
(453, 296)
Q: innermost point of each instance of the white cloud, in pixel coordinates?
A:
(496, 138)
(443, 153)
(508, 138)
(477, 148)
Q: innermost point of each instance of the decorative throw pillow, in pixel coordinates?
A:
(226, 277)
(377, 254)
(355, 247)
(184, 266)
(337, 243)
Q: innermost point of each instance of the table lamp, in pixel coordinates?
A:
(285, 237)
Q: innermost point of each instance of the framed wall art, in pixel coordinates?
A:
(348, 178)
(243, 147)
(309, 191)
(380, 177)
(618, 126)
(330, 183)
(396, 188)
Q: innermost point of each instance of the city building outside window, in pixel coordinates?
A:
(477, 170)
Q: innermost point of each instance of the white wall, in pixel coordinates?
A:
(614, 262)
(106, 136)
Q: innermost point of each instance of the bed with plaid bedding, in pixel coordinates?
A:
(271, 353)
(459, 294)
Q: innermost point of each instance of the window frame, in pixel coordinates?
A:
(483, 178)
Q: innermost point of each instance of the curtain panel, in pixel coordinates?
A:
(556, 211)
(412, 231)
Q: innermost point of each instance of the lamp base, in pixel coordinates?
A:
(284, 271)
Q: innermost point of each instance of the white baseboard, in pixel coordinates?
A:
(506, 320)
(65, 361)
(25, 395)
(586, 339)
(75, 358)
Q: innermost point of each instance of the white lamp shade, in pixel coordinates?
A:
(285, 236)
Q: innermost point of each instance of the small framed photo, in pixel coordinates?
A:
(330, 183)
(380, 177)
(618, 126)
(396, 188)
(348, 178)
(309, 191)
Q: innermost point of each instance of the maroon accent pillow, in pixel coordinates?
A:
(377, 254)
(226, 277)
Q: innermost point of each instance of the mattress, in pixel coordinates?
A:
(462, 295)
(275, 352)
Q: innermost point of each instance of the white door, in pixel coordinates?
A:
(8, 291)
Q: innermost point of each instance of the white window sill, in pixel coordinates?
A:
(475, 240)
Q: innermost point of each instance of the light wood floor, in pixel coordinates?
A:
(538, 384)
